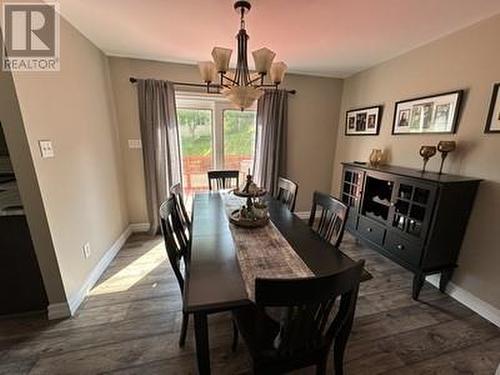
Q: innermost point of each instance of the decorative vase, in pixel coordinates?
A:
(376, 157)
(445, 147)
(427, 152)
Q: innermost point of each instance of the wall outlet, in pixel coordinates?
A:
(134, 143)
(86, 250)
(46, 149)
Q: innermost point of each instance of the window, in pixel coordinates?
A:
(239, 140)
(213, 135)
(195, 127)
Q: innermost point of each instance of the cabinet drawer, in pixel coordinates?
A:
(403, 248)
(371, 231)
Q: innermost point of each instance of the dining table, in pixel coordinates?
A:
(214, 280)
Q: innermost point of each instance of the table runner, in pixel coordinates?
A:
(263, 252)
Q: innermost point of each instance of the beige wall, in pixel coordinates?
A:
(22, 163)
(82, 187)
(313, 115)
(469, 59)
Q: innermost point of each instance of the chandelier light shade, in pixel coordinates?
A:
(242, 96)
(263, 59)
(240, 86)
(277, 72)
(207, 71)
(222, 57)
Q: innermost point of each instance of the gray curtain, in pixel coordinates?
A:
(160, 144)
(270, 144)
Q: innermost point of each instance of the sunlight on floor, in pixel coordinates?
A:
(127, 277)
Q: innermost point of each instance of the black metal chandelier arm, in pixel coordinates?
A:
(275, 85)
(242, 73)
(223, 76)
(258, 78)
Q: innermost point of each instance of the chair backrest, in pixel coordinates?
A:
(309, 322)
(287, 192)
(223, 179)
(174, 234)
(176, 191)
(332, 219)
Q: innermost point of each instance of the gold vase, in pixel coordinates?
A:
(376, 157)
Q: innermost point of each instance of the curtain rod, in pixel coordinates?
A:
(134, 80)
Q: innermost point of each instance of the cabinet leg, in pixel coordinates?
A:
(418, 282)
(445, 278)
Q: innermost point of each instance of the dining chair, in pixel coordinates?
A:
(315, 311)
(176, 191)
(332, 218)
(177, 245)
(223, 179)
(287, 192)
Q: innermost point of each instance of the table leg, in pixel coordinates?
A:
(201, 337)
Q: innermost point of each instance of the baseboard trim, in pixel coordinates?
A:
(466, 298)
(67, 309)
(76, 300)
(58, 311)
(139, 227)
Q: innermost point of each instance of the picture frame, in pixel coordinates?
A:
(363, 121)
(433, 114)
(493, 120)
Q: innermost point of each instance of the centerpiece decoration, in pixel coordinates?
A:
(255, 213)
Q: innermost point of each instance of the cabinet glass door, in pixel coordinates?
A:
(351, 188)
(411, 208)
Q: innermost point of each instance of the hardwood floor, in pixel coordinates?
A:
(130, 325)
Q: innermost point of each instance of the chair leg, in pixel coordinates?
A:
(340, 345)
(321, 366)
(235, 336)
(185, 321)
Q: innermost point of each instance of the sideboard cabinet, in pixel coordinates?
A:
(416, 219)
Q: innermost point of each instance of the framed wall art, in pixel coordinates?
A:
(493, 122)
(435, 114)
(363, 121)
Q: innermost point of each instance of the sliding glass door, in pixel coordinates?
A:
(239, 140)
(195, 126)
(213, 136)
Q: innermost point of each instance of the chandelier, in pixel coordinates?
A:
(240, 86)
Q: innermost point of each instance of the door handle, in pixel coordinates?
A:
(400, 247)
(369, 229)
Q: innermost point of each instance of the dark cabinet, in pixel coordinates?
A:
(416, 219)
(21, 285)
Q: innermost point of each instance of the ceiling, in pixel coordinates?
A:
(321, 37)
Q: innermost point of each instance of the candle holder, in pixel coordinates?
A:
(427, 152)
(445, 147)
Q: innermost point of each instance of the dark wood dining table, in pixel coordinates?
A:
(213, 279)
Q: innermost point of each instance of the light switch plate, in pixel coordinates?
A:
(134, 143)
(46, 149)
